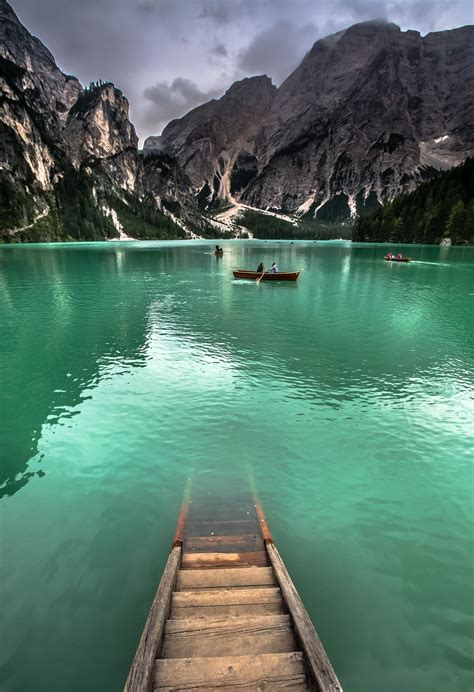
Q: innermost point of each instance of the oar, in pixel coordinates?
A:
(261, 276)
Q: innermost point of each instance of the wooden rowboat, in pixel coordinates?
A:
(397, 259)
(268, 276)
(226, 614)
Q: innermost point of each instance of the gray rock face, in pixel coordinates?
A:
(97, 129)
(50, 125)
(209, 139)
(369, 113)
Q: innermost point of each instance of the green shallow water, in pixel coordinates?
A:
(126, 368)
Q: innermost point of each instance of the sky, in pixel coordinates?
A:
(169, 56)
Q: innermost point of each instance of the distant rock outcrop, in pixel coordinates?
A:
(216, 141)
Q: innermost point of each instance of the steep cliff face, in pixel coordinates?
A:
(215, 141)
(366, 115)
(369, 113)
(99, 133)
(68, 154)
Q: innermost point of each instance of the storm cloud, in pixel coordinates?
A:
(168, 56)
(169, 101)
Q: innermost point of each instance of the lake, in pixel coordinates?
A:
(128, 367)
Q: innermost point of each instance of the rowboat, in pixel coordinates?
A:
(397, 259)
(226, 614)
(218, 253)
(268, 276)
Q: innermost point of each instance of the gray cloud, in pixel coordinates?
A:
(220, 50)
(169, 101)
(278, 50)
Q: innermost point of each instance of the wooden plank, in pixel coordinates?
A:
(219, 578)
(228, 528)
(215, 560)
(317, 661)
(224, 544)
(232, 673)
(242, 609)
(141, 673)
(218, 597)
(239, 636)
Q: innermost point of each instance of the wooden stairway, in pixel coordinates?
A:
(225, 614)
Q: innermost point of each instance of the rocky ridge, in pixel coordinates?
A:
(69, 159)
(370, 112)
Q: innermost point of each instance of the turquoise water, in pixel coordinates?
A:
(127, 367)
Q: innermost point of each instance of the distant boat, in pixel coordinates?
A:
(397, 259)
(219, 253)
(268, 276)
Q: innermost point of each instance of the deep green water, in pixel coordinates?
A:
(126, 367)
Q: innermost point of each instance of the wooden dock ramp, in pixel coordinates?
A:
(226, 613)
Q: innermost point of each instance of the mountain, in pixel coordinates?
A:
(69, 160)
(371, 111)
(216, 142)
(441, 210)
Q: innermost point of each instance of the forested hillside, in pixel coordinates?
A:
(440, 208)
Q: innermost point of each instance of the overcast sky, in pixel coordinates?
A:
(168, 56)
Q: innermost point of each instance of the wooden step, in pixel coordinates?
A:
(219, 578)
(224, 544)
(229, 596)
(238, 636)
(232, 673)
(226, 528)
(228, 611)
(216, 560)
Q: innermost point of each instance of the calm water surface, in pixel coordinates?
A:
(125, 368)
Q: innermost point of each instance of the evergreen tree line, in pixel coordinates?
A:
(143, 219)
(440, 208)
(271, 228)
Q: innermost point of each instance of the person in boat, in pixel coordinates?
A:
(219, 250)
(274, 268)
(399, 256)
(390, 255)
(260, 268)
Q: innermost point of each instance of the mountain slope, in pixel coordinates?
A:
(69, 158)
(439, 209)
(370, 112)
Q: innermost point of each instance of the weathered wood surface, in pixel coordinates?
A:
(220, 578)
(236, 636)
(216, 560)
(229, 527)
(226, 596)
(226, 544)
(264, 671)
(234, 619)
(260, 672)
(141, 673)
(316, 658)
(231, 610)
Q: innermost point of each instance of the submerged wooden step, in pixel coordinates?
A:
(238, 636)
(219, 578)
(227, 528)
(215, 560)
(232, 673)
(224, 544)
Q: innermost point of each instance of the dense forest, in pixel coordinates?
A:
(272, 228)
(440, 208)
